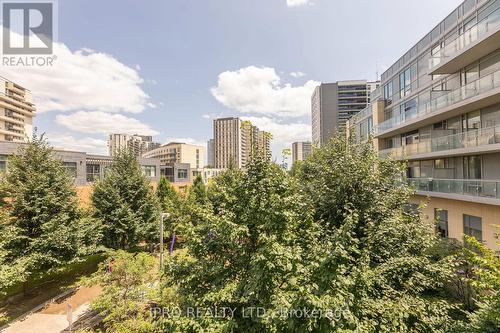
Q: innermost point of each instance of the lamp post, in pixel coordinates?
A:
(162, 217)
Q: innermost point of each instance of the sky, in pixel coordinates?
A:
(168, 67)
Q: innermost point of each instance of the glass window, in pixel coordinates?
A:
(3, 163)
(182, 174)
(149, 171)
(471, 121)
(473, 226)
(70, 168)
(472, 167)
(93, 172)
(414, 169)
(441, 217)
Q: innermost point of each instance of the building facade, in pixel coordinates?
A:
(235, 140)
(84, 168)
(438, 107)
(179, 152)
(210, 153)
(138, 144)
(300, 151)
(332, 104)
(16, 112)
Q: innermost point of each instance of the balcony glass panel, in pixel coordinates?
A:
(489, 24)
(471, 187)
(451, 97)
(474, 138)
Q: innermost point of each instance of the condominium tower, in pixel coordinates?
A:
(438, 107)
(234, 141)
(138, 144)
(16, 112)
(210, 153)
(300, 151)
(332, 104)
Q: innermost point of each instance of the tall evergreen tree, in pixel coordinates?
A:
(198, 191)
(125, 203)
(42, 230)
(167, 196)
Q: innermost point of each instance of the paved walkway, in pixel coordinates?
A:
(52, 319)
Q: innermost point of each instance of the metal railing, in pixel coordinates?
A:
(474, 138)
(484, 27)
(471, 187)
(472, 89)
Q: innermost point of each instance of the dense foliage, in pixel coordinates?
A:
(42, 226)
(125, 203)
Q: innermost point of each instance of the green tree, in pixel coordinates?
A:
(198, 191)
(44, 228)
(377, 262)
(338, 240)
(248, 248)
(167, 195)
(129, 282)
(484, 267)
(125, 203)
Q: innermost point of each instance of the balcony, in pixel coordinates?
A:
(486, 139)
(477, 42)
(478, 190)
(480, 93)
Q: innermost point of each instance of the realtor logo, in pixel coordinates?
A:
(28, 27)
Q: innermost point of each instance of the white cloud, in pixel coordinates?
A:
(191, 141)
(82, 80)
(283, 133)
(259, 90)
(295, 3)
(297, 74)
(206, 116)
(103, 123)
(68, 142)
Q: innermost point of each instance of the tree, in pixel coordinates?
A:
(377, 261)
(44, 228)
(124, 201)
(198, 191)
(334, 249)
(244, 248)
(129, 282)
(167, 195)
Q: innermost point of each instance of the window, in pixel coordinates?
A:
(441, 217)
(70, 168)
(405, 83)
(472, 167)
(471, 121)
(414, 170)
(149, 171)
(388, 92)
(93, 172)
(3, 163)
(473, 226)
(182, 174)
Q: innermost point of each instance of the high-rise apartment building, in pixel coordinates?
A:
(234, 141)
(438, 107)
(332, 104)
(138, 144)
(16, 112)
(210, 153)
(300, 151)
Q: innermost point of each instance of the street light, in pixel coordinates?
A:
(162, 217)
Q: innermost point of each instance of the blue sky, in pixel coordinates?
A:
(169, 67)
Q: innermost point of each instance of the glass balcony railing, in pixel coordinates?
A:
(486, 26)
(472, 89)
(471, 187)
(472, 138)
